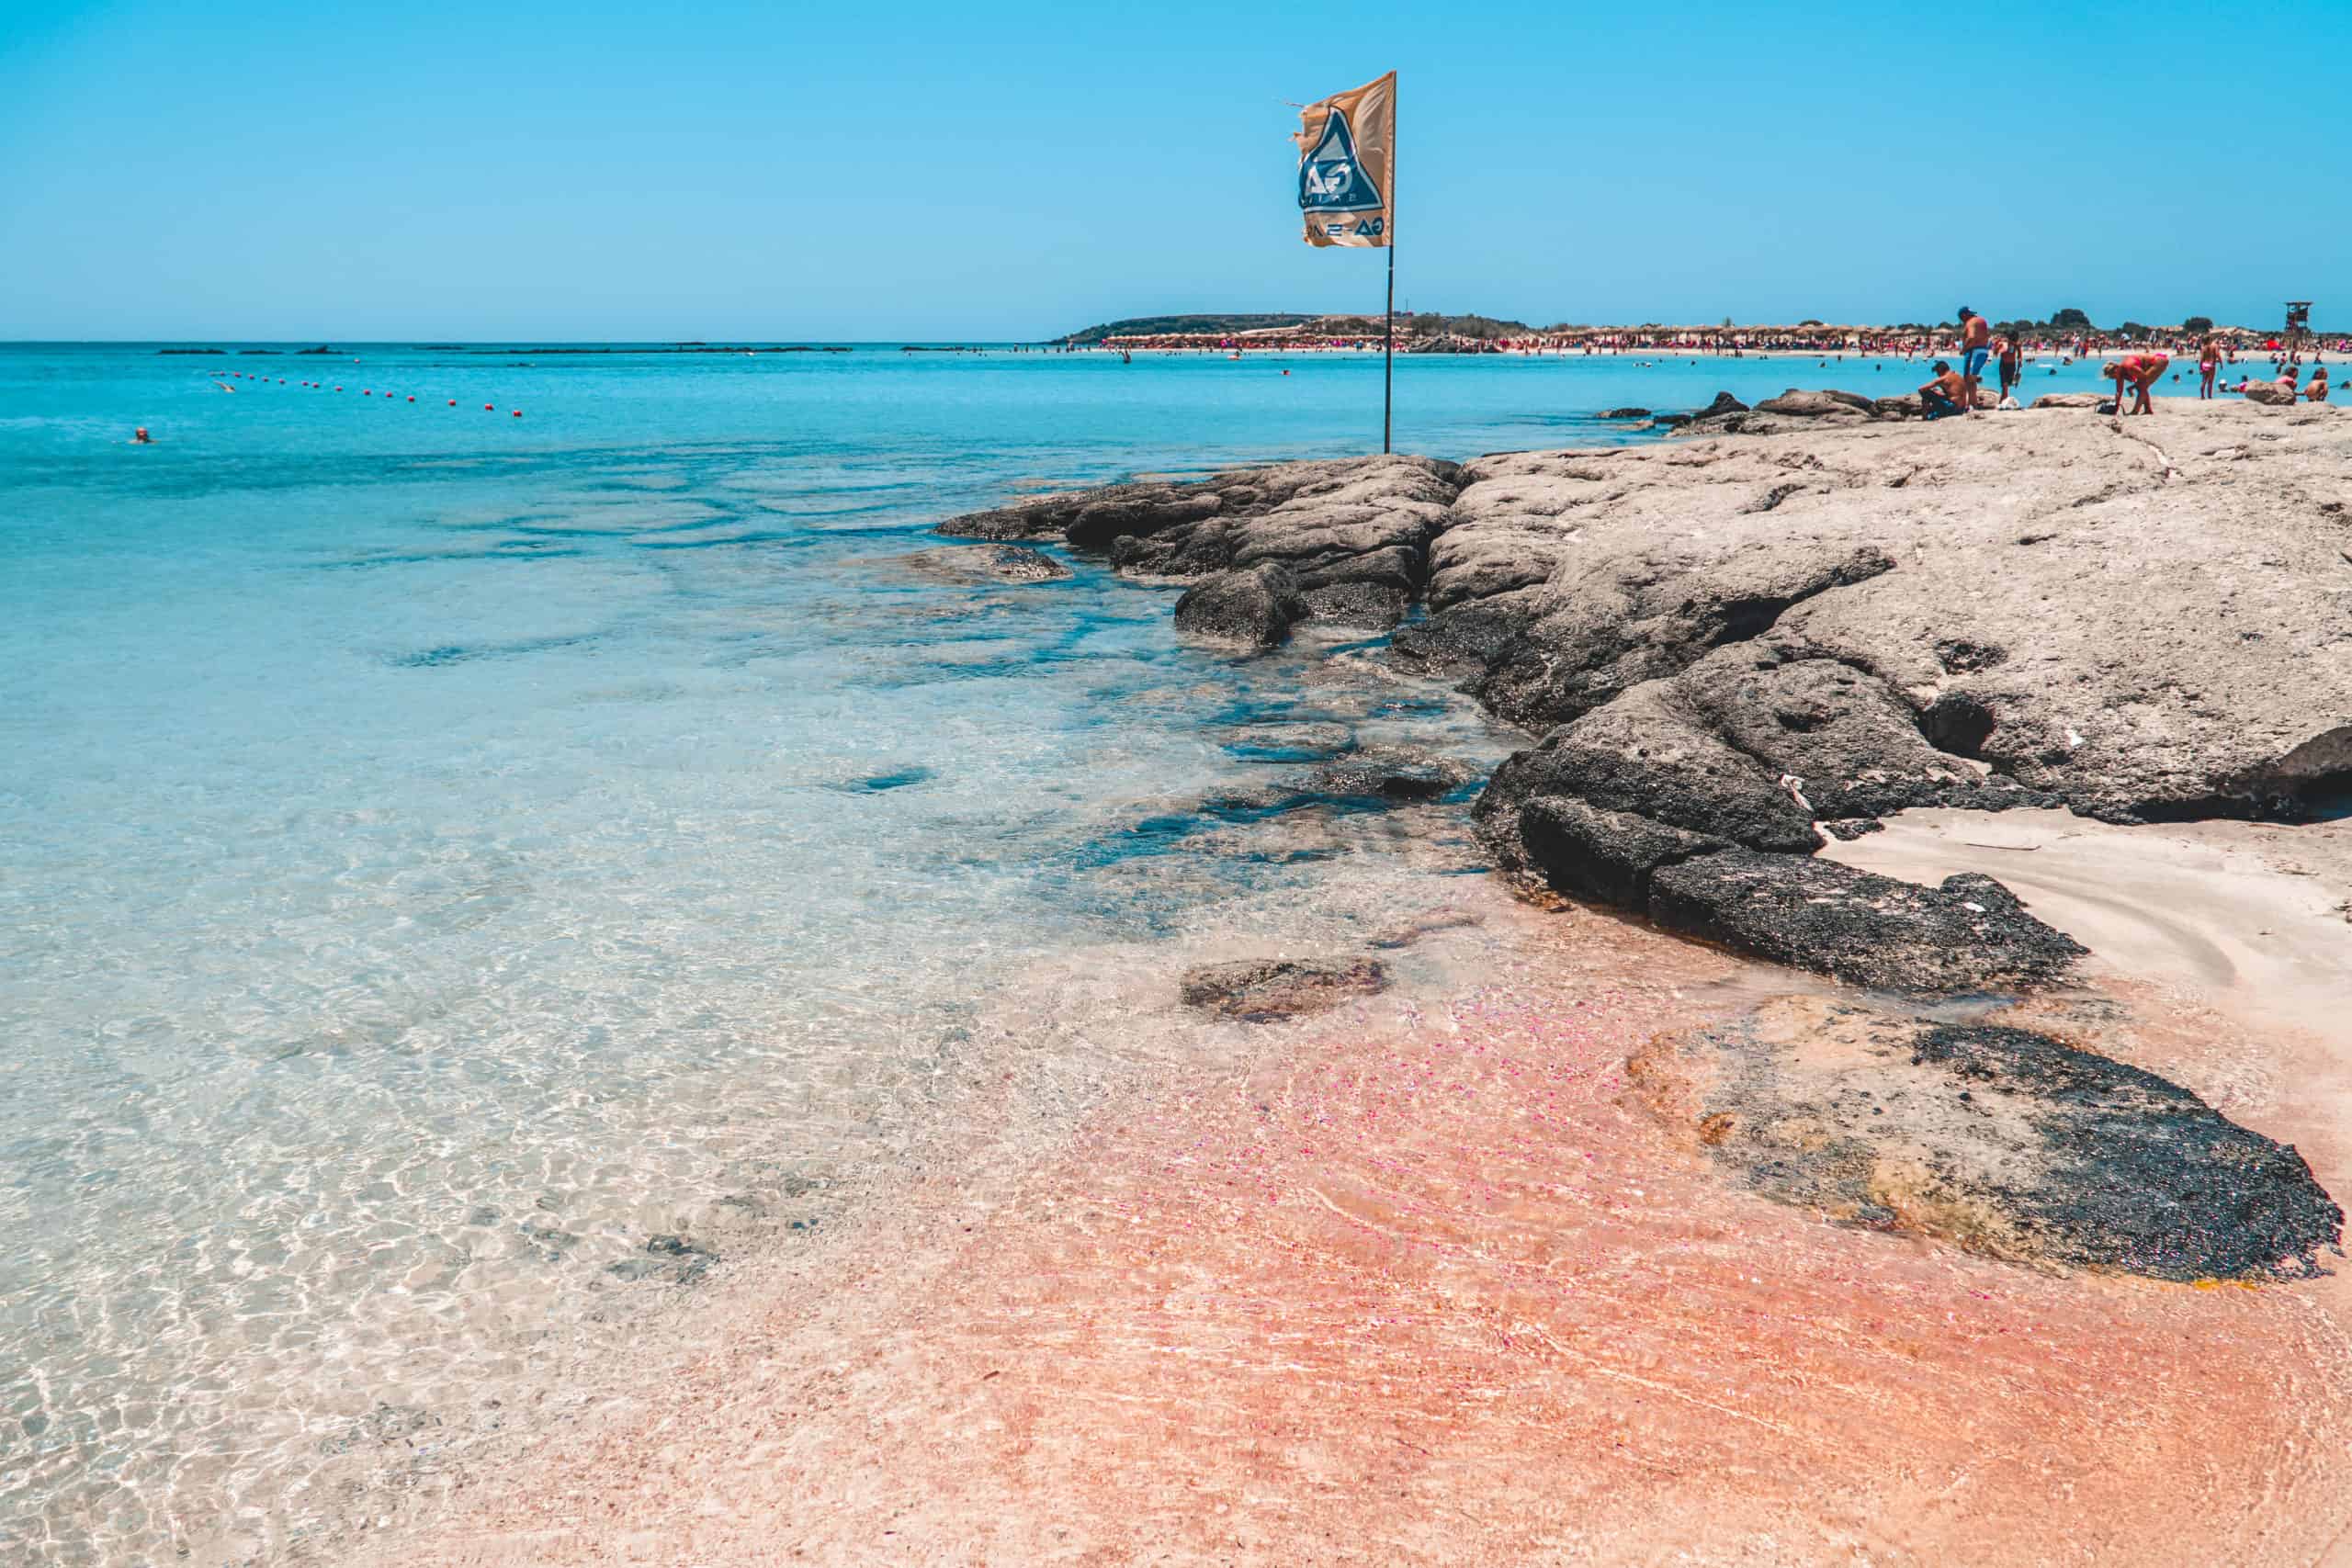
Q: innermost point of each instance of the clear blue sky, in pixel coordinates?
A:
(414, 169)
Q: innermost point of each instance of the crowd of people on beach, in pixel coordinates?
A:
(1880, 342)
(2136, 373)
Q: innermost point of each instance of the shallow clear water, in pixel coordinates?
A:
(440, 851)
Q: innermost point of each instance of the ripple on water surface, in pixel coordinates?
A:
(409, 963)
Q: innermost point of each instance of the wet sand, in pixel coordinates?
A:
(1422, 1281)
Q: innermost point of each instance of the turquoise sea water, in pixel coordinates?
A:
(440, 851)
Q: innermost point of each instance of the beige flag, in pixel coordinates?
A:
(1347, 166)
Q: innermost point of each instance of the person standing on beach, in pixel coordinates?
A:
(1976, 344)
(2012, 362)
(2208, 365)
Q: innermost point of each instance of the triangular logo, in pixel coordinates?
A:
(1331, 179)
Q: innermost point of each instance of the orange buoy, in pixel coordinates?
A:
(518, 413)
(411, 397)
(453, 402)
(489, 408)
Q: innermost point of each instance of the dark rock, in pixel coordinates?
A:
(1376, 607)
(1466, 640)
(1389, 772)
(1269, 991)
(1605, 855)
(1957, 722)
(1625, 414)
(1254, 608)
(1643, 755)
(1724, 403)
(2001, 1141)
(1970, 934)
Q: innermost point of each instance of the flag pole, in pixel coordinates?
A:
(1388, 332)
(1388, 340)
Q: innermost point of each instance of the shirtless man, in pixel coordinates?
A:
(2136, 373)
(2317, 390)
(1939, 399)
(1976, 344)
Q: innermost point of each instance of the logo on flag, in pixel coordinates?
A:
(1331, 179)
(1347, 166)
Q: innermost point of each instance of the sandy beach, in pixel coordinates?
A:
(1459, 1271)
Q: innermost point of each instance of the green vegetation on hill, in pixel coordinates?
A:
(1147, 326)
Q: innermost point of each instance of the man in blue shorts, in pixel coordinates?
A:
(1975, 345)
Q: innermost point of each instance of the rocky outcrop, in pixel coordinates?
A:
(2002, 1141)
(1732, 647)
(2269, 394)
(1353, 535)
(1752, 640)
(1974, 613)
(2075, 401)
(1271, 990)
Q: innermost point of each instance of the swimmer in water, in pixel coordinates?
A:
(140, 437)
(223, 385)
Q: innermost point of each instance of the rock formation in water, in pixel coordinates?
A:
(983, 563)
(2003, 1141)
(1753, 641)
(1344, 541)
(1269, 991)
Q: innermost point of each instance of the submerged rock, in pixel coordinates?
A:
(983, 563)
(2001, 1141)
(1268, 991)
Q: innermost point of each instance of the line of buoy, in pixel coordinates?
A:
(364, 391)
